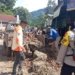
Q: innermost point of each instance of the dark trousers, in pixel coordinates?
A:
(9, 52)
(47, 41)
(19, 57)
(67, 70)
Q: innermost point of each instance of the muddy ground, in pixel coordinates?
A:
(6, 65)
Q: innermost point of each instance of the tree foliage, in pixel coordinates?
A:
(6, 6)
(39, 22)
(22, 12)
(8, 3)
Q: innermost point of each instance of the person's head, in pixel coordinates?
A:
(24, 24)
(69, 27)
(72, 28)
(16, 23)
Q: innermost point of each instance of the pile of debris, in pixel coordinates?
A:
(40, 65)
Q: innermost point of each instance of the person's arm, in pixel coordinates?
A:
(57, 43)
(72, 39)
(19, 35)
(61, 54)
(69, 40)
(62, 51)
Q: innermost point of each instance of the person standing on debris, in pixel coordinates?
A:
(66, 55)
(17, 47)
(9, 45)
(52, 37)
(9, 30)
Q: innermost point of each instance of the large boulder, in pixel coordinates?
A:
(40, 65)
(40, 56)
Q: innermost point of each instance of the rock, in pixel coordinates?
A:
(40, 56)
(41, 67)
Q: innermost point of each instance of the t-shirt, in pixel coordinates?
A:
(69, 36)
(52, 34)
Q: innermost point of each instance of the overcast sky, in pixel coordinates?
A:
(32, 5)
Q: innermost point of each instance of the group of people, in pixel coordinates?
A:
(66, 51)
(20, 40)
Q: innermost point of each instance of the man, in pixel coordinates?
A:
(9, 31)
(17, 47)
(52, 37)
(9, 45)
(26, 32)
(66, 55)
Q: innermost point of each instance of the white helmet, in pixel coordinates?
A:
(17, 20)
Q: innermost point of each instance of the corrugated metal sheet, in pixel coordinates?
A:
(7, 18)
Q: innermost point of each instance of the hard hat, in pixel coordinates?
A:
(17, 20)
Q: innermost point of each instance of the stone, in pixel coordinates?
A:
(40, 56)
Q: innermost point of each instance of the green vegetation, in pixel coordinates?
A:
(22, 12)
(6, 6)
(39, 21)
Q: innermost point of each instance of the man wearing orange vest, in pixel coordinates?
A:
(17, 47)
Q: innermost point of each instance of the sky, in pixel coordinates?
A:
(32, 5)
